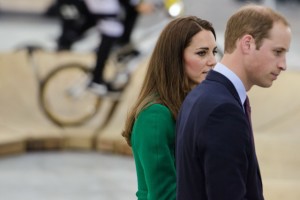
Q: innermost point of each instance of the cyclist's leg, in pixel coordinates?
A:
(129, 21)
(88, 20)
(68, 35)
(69, 16)
(75, 21)
(102, 55)
(111, 29)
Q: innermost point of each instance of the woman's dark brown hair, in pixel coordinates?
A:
(166, 81)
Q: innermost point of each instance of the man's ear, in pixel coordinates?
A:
(246, 42)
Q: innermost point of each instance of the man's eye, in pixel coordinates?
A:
(277, 52)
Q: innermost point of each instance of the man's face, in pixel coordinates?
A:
(270, 59)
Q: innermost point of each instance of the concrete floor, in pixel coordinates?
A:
(67, 176)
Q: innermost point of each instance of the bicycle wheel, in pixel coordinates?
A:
(64, 98)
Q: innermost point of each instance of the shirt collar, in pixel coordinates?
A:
(234, 79)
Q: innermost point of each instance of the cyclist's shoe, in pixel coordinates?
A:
(125, 56)
(99, 89)
(127, 52)
(105, 90)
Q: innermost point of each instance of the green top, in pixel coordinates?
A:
(153, 145)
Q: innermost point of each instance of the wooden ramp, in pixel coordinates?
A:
(276, 115)
(18, 103)
(20, 114)
(272, 107)
(279, 164)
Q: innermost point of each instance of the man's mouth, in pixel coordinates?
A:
(275, 75)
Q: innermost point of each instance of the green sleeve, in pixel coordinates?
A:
(153, 139)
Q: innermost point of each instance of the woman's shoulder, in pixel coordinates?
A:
(155, 121)
(157, 106)
(155, 113)
(157, 109)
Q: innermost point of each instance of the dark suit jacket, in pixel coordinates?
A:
(215, 154)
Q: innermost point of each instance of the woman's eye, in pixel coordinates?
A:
(215, 52)
(201, 53)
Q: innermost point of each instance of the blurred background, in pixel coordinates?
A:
(45, 159)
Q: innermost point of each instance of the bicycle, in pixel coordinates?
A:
(63, 94)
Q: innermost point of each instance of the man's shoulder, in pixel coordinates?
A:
(209, 90)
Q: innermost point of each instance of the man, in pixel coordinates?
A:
(215, 153)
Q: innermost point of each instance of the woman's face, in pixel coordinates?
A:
(199, 56)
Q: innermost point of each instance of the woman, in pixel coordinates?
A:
(184, 53)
